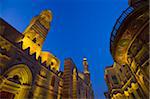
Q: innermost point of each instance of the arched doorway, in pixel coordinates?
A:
(16, 82)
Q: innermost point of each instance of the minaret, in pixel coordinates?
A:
(86, 71)
(39, 27)
(36, 32)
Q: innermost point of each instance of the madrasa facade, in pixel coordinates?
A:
(28, 72)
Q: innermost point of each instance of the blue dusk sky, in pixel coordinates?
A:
(79, 28)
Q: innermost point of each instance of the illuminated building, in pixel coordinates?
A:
(128, 77)
(76, 85)
(25, 70)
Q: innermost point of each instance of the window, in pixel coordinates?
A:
(52, 63)
(86, 94)
(139, 93)
(135, 47)
(53, 81)
(144, 58)
(28, 36)
(133, 96)
(34, 40)
(115, 80)
(79, 91)
(15, 79)
(120, 70)
(123, 65)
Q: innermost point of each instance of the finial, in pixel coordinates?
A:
(84, 59)
(47, 14)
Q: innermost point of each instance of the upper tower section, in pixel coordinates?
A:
(85, 64)
(39, 27)
(36, 32)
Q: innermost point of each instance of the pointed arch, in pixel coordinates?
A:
(22, 71)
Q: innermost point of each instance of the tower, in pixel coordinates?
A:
(85, 64)
(86, 71)
(36, 32)
(68, 79)
(39, 27)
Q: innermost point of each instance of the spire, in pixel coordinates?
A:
(85, 64)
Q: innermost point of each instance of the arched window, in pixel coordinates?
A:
(52, 63)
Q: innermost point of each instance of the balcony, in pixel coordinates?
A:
(118, 23)
(118, 43)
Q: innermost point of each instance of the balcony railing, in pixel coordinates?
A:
(120, 20)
